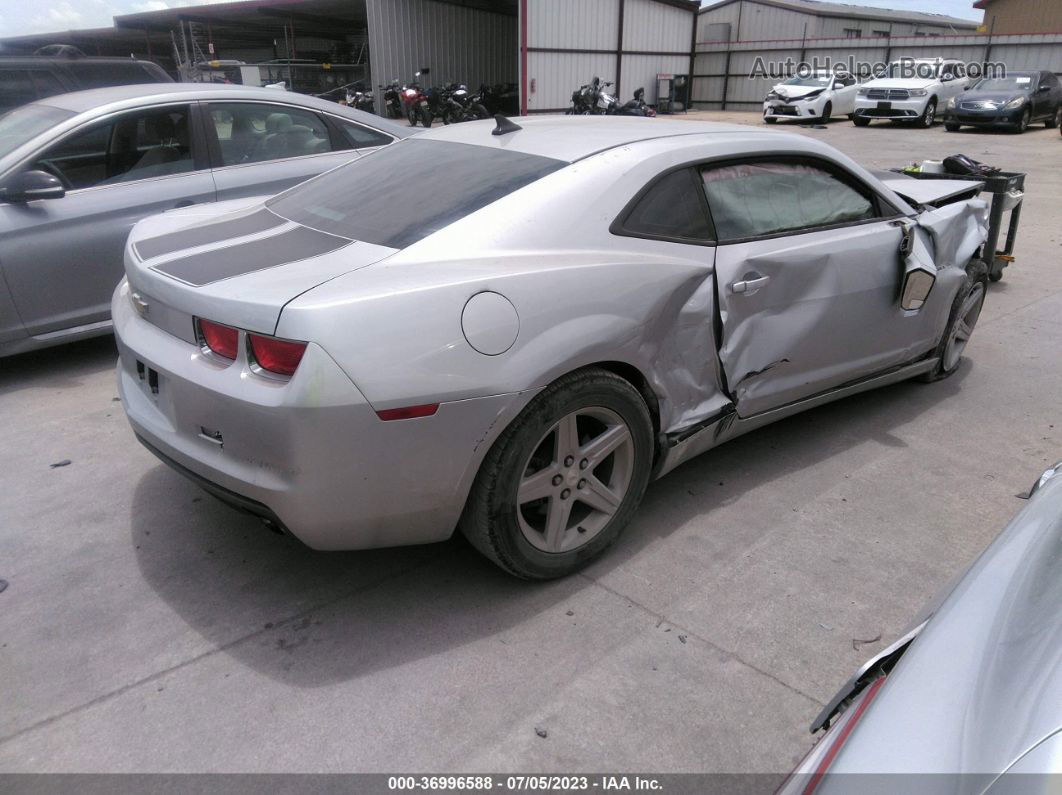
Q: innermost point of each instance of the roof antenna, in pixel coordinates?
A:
(505, 126)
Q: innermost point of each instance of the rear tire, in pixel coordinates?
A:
(479, 112)
(965, 311)
(860, 121)
(563, 480)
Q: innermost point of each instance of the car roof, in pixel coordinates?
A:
(66, 60)
(114, 98)
(572, 138)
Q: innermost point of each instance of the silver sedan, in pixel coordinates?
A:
(514, 328)
(78, 170)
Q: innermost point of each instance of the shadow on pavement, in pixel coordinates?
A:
(61, 367)
(314, 618)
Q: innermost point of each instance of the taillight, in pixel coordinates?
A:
(222, 340)
(408, 412)
(276, 356)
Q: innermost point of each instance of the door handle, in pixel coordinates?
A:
(183, 203)
(749, 286)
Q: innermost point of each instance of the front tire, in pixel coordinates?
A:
(951, 126)
(928, 115)
(1055, 119)
(860, 121)
(965, 311)
(770, 120)
(1023, 122)
(827, 112)
(563, 480)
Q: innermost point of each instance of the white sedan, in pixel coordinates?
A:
(819, 96)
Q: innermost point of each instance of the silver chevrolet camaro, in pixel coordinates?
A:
(512, 328)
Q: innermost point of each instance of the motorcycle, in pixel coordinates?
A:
(415, 103)
(462, 105)
(591, 99)
(637, 106)
(392, 99)
(360, 99)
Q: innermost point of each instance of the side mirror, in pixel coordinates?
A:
(917, 285)
(32, 185)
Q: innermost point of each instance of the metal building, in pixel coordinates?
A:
(565, 43)
(772, 20)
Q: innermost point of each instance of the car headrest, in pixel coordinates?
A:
(277, 122)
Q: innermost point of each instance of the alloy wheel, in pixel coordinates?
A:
(969, 312)
(575, 480)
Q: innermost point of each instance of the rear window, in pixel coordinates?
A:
(96, 74)
(400, 194)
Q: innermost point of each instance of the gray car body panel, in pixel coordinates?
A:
(60, 258)
(978, 691)
(393, 321)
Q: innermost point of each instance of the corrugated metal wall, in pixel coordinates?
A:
(711, 85)
(571, 41)
(457, 43)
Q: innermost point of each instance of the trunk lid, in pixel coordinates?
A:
(235, 262)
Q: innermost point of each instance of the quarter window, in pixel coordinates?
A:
(670, 209)
(765, 198)
(358, 137)
(149, 143)
(251, 133)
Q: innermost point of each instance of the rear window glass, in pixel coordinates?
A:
(670, 209)
(400, 194)
(94, 74)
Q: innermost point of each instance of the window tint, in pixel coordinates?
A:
(16, 88)
(47, 84)
(361, 137)
(250, 133)
(365, 201)
(670, 209)
(150, 143)
(764, 198)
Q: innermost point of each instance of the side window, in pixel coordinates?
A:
(359, 137)
(670, 209)
(249, 132)
(141, 145)
(765, 198)
(47, 84)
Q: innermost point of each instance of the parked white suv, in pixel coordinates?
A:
(913, 90)
(819, 95)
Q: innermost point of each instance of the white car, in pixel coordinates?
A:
(913, 90)
(819, 96)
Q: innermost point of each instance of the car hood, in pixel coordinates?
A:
(236, 261)
(899, 82)
(1002, 97)
(795, 92)
(982, 684)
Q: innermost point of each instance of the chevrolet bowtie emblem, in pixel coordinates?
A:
(139, 304)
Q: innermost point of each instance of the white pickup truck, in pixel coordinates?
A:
(911, 90)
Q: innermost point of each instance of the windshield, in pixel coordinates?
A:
(926, 70)
(22, 124)
(810, 80)
(405, 192)
(1012, 82)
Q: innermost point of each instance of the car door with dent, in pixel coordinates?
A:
(808, 275)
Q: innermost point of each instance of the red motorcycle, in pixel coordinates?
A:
(415, 103)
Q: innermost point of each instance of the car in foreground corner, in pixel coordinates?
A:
(1012, 102)
(518, 340)
(818, 96)
(78, 170)
(970, 699)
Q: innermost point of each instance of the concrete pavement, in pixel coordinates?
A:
(148, 628)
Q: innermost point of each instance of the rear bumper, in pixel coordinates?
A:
(308, 455)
